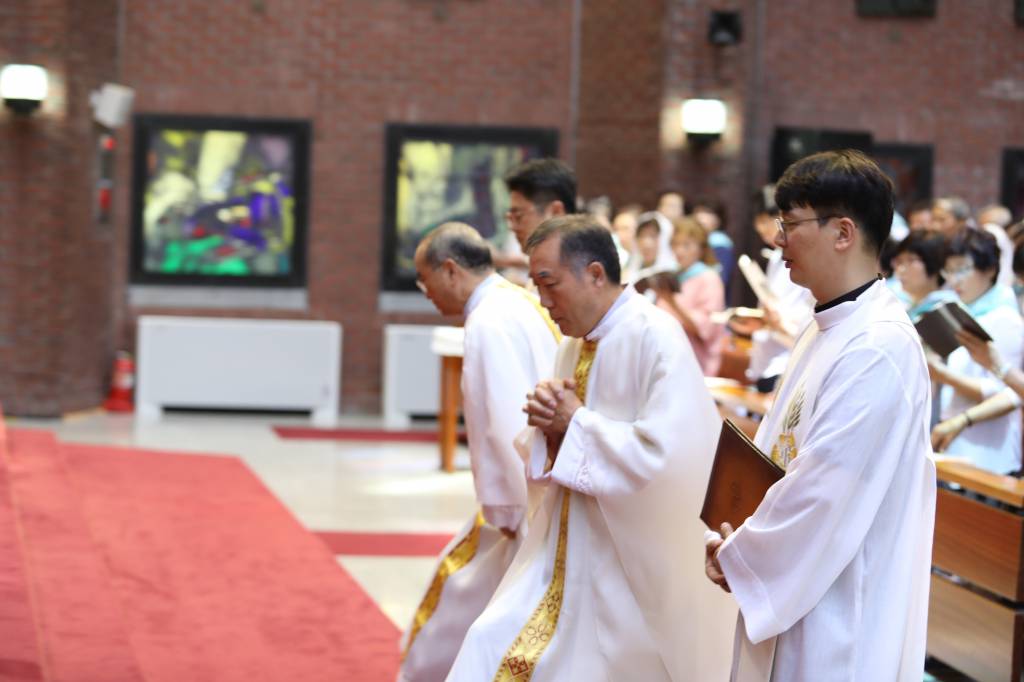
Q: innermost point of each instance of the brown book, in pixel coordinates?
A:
(740, 477)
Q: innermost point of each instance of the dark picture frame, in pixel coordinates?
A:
(219, 201)
(436, 173)
(1012, 194)
(910, 166)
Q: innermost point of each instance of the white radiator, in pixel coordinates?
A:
(238, 364)
(412, 374)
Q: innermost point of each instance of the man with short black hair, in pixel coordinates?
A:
(538, 189)
(605, 587)
(510, 343)
(831, 572)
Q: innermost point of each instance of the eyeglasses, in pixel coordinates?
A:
(958, 273)
(421, 285)
(784, 226)
(515, 215)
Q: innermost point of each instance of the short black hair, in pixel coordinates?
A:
(843, 182)
(461, 243)
(583, 241)
(543, 181)
(1018, 259)
(929, 246)
(980, 246)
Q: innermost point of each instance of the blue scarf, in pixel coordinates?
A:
(697, 268)
(996, 297)
(931, 301)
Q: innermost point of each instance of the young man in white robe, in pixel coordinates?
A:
(605, 586)
(510, 344)
(831, 572)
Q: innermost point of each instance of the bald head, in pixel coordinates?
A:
(458, 242)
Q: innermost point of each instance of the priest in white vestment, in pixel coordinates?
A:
(606, 585)
(510, 344)
(831, 572)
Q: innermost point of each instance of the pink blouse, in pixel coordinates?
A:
(700, 296)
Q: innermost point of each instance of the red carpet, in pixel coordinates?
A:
(384, 544)
(150, 566)
(307, 433)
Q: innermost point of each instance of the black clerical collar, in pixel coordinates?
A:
(848, 296)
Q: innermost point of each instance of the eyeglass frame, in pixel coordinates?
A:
(959, 273)
(783, 226)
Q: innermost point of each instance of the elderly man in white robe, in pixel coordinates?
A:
(831, 572)
(605, 586)
(510, 343)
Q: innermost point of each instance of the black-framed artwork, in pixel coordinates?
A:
(1012, 195)
(219, 201)
(910, 168)
(440, 173)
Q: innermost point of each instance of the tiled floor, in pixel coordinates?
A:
(327, 485)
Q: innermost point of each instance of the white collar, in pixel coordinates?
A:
(836, 314)
(490, 281)
(602, 328)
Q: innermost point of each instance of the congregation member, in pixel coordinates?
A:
(787, 314)
(510, 344)
(917, 262)
(653, 243)
(919, 215)
(605, 586)
(831, 572)
(701, 294)
(671, 204)
(971, 270)
(711, 216)
(1002, 403)
(994, 219)
(624, 233)
(950, 216)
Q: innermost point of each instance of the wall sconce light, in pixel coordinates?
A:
(724, 29)
(703, 120)
(23, 87)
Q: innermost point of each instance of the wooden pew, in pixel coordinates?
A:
(976, 610)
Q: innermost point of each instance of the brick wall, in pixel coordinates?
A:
(955, 81)
(55, 266)
(350, 66)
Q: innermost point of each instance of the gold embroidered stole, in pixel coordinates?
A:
(521, 658)
(461, 554)
(541, 310)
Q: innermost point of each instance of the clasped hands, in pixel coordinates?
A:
(551, 405)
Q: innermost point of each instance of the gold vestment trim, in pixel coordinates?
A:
(457, 559)
(505, 284)
(521, 658)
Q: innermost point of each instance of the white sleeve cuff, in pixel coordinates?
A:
(571, 469)
(751, 595)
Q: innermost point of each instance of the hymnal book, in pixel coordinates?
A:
(938, 327)
(757, 280)
(657, 277)
(740, 477)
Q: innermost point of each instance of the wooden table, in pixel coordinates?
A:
(447, 342)
(976, 610)
(743, 405)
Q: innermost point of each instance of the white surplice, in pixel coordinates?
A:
(635, 462)
(831, 573)
(510, 345)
